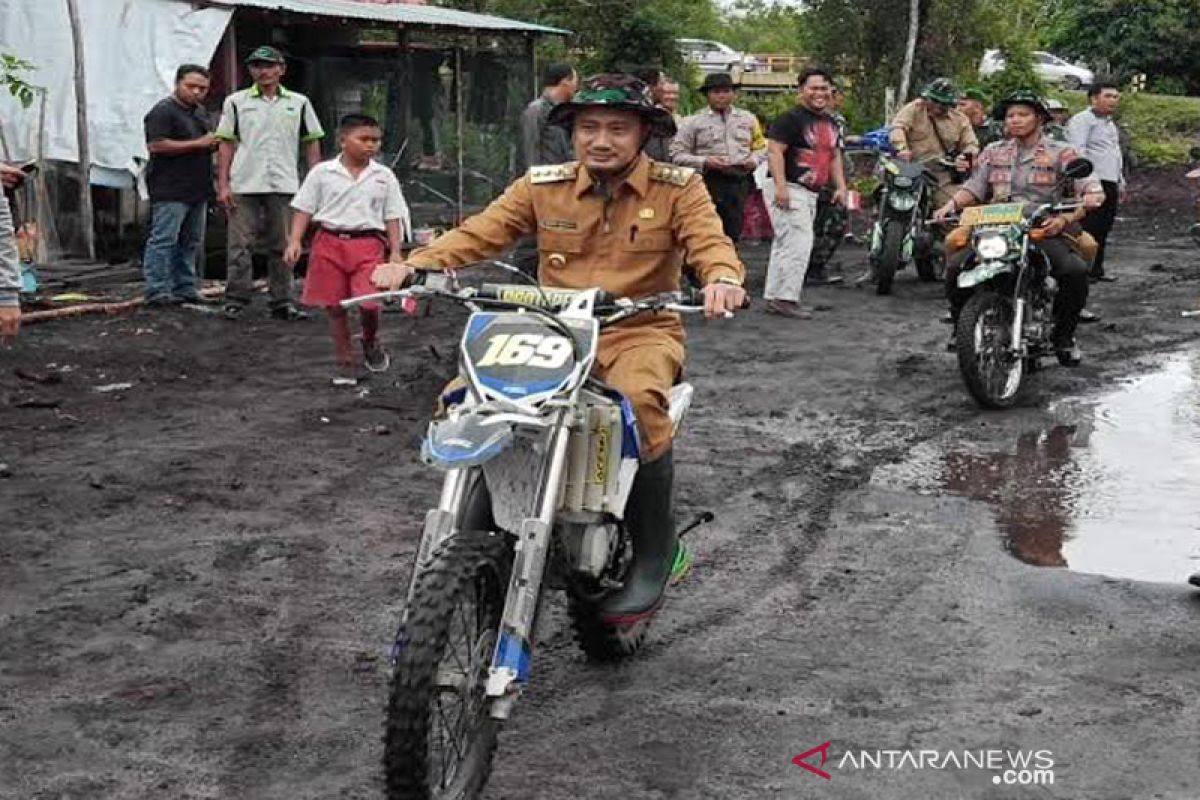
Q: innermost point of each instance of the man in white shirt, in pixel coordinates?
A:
(257, 176)
(1094, 134)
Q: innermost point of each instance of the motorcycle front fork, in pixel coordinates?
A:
(509, 670)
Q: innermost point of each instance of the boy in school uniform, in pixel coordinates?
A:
(358, 209)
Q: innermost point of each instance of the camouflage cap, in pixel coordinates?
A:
(976, 94)
(617, 91)
(265, 55)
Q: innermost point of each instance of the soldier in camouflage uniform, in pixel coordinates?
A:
(974, 103)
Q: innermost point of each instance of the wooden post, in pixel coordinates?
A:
(531, 55)
(910, 49)
(87, 218)
(462, 114)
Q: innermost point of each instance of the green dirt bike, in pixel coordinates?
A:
(902, 232)
(539, 460)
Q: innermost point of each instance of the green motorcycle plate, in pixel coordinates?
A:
(995, 214)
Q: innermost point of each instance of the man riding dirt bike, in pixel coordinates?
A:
(1028, 167)
(619, 222)
(932, 132)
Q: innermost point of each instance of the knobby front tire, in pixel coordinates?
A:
(439, 739)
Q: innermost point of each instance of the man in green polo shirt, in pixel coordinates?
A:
(257, 176)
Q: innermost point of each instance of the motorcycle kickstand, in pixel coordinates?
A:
(703, 518)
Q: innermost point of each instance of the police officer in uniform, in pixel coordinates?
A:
(1028, 166)
(726, 144)
(619, 221)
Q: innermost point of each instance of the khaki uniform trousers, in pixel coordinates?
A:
(643, 362)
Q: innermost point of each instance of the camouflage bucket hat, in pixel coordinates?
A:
(1021, 97)
(941, 91)
(616, 91)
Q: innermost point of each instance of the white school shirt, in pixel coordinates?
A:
(338, 200)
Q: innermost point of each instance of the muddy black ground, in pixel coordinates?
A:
(201, 572)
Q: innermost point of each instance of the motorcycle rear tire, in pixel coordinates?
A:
(982, 385)
(888, 260)
(473, 564)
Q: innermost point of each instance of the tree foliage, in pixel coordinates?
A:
(12, 77)
(1159, 38)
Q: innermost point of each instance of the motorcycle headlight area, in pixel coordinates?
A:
(902, 201)
(991, 246)
(465, 441)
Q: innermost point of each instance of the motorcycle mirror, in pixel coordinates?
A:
(1194, 153)
(1078, 168)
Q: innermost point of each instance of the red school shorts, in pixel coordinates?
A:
(340, 268)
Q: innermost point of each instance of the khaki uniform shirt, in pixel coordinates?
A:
(734, 135)
(913, 128)
(1007, 172)
(338, 200)
(267, 133)
(627, 244)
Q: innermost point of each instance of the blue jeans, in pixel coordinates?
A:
(176, 230)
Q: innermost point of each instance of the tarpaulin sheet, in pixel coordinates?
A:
(131, 51)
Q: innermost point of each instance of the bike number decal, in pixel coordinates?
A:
(526, 349)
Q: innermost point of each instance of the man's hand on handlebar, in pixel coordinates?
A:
(946, 211)
(963, 163)
(391, 276)
(722, 299)
(1054, 226)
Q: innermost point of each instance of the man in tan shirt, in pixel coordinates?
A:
(617, 221)
(930, 128)
(726, 144)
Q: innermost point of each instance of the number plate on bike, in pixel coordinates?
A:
(524, 356)
(995, 214)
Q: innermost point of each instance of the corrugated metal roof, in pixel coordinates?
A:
(397, 13)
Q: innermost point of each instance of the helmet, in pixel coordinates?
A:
(1053, 104)
(941, 91)
(618, 91)
(1021, 97)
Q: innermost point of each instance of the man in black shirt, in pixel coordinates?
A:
(804, 154)
(179, 179)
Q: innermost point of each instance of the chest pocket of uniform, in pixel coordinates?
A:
(742, 135)
(1000, 175)
(1044, 176)
(560, 242)
(651, 241)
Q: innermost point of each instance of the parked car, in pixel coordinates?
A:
(1048, 66)
(710, 56)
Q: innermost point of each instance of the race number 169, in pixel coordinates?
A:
(526, 349)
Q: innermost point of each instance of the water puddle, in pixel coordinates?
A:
(1111, 488)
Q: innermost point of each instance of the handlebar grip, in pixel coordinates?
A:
(691, 296)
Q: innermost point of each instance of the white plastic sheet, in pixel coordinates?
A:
(131, 51)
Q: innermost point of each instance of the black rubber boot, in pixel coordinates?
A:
(651, 523)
